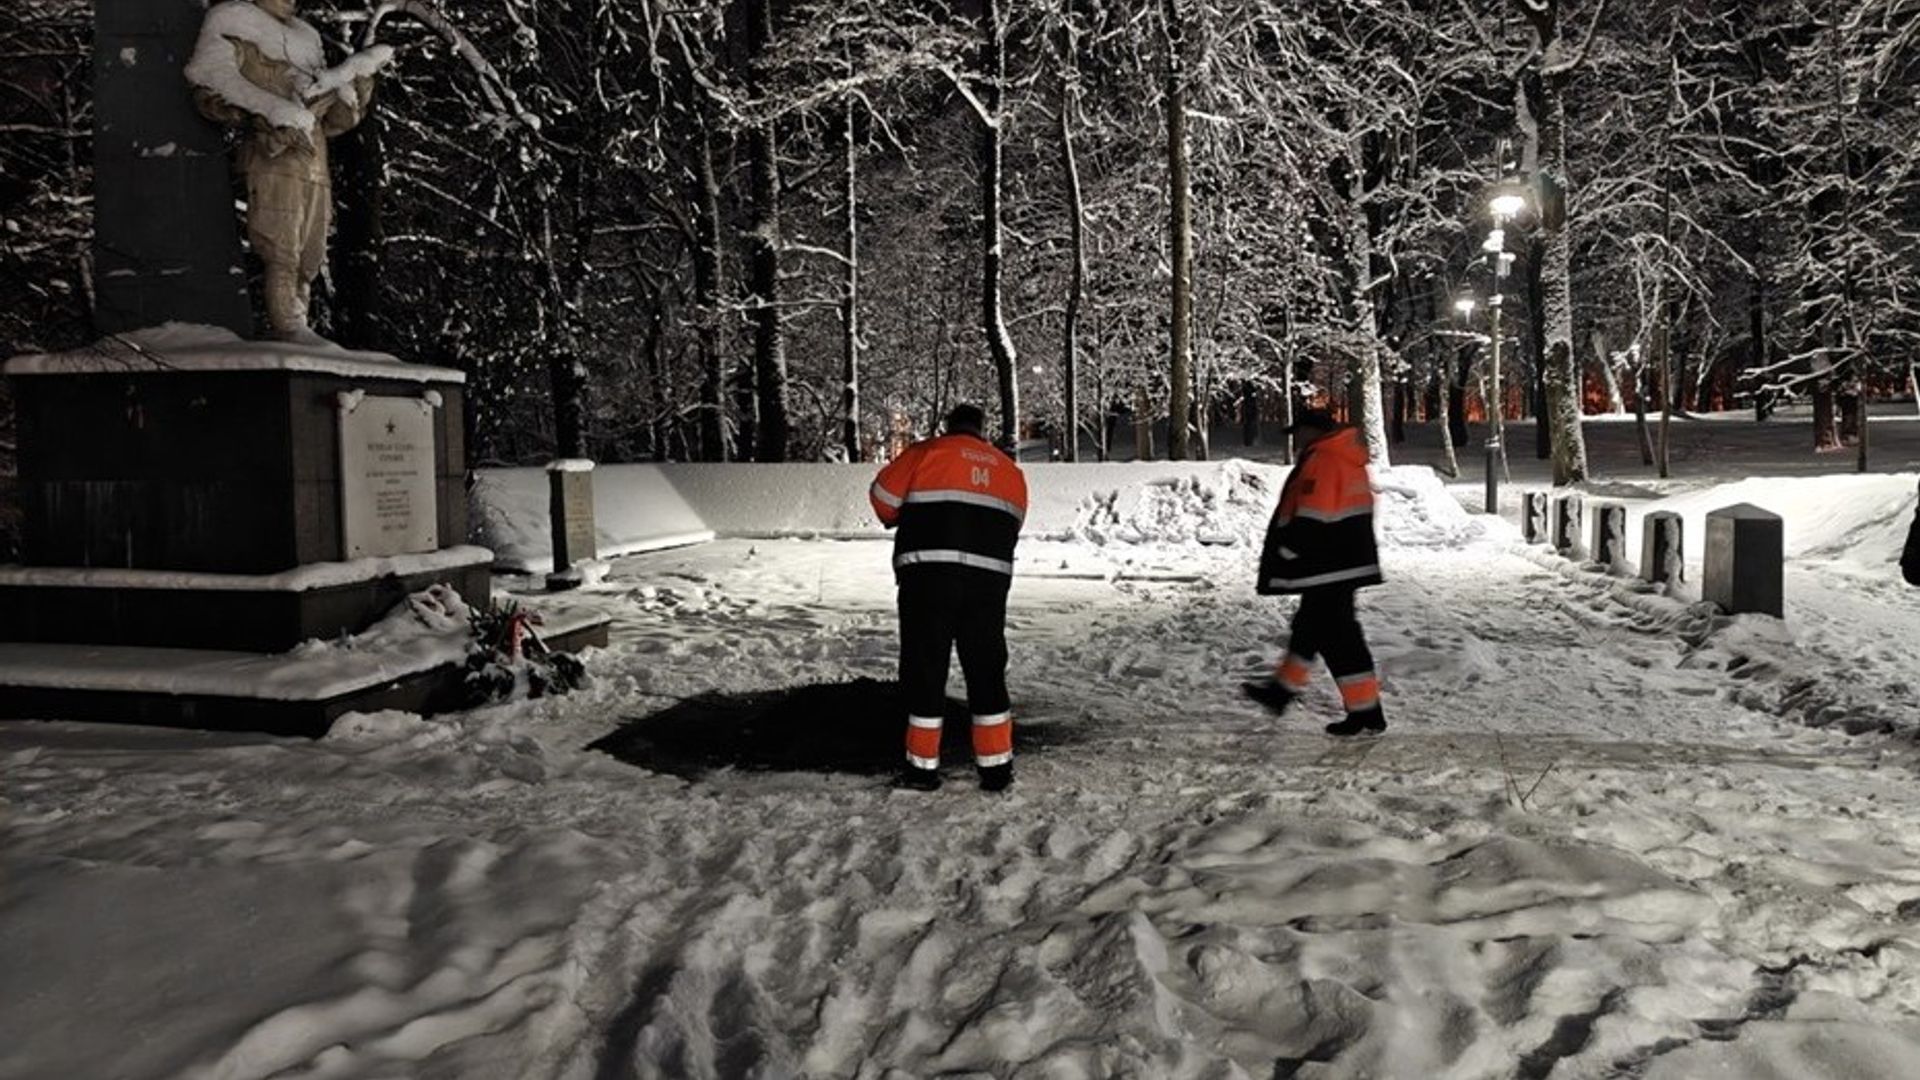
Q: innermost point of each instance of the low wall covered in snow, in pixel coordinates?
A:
(647, 507)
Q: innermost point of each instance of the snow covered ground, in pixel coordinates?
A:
(1609, 833)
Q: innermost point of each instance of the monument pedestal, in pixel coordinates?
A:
(186, 490)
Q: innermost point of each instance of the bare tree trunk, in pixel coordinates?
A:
(1826, 430)
(566, 367)
(1287, 385)
(1142, 425)
(1364, 405)
(708, 272)
(1561, 365)
(1662, 349)
(1663, 312)
(1441, 374)
(1180, 373)
(1860, 398)
(1076, 230)
(657, 375)
(1640, 427)
(993, 323)
(1100, 390)
(763, 245)
(850, 303)
(1616, 402)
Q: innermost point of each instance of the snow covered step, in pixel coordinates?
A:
(398, 664)
(200, 610)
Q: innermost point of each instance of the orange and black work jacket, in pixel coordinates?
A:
(1910, 558)
(957, 501)
(1322, 532)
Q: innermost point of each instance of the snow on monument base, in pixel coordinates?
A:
(399, 663)
(198, 506)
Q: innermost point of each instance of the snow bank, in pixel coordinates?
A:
(1855, 522)
(648, 507)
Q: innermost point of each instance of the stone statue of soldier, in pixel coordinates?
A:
(260, 67)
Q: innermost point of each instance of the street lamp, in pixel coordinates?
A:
(1507, 202)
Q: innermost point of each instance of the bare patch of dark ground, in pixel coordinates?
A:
(849, 727)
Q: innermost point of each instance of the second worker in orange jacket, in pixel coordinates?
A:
(1321, 545)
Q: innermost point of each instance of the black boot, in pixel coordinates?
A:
(914, 778)
(1368, 721)
(996, 777)
(1271, 693)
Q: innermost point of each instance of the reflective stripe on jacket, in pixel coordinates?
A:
(1322, 531)
(956, 500)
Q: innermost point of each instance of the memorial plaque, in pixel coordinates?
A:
(387, 477)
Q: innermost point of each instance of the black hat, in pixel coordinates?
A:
(1312, 418)
(966, 419)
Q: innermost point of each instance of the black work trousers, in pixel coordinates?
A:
(1325, 626)
(942, 608)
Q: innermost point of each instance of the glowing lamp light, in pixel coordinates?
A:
(1507, 204)
(1465, 306)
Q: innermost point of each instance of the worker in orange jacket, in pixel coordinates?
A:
(1321, 546)
(958, 504)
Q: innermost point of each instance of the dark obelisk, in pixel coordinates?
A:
(166, 242)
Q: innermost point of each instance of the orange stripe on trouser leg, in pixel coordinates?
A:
(1293, 672)
(923, 742)
(993, 739)
(1360, 691)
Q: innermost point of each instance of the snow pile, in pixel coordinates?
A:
(1412, 509)
(1151, 505)
(1227, 505)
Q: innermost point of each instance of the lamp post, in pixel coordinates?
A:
(1507, 202)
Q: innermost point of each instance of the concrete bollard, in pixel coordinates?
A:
(1533, 516)
(1569, 513)
(570, 511)
(1609, 544)
(1745, 564)
(1662, 548)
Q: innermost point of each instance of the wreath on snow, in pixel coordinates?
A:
(507, 659)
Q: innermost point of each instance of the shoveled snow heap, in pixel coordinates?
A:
(1232, 503)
